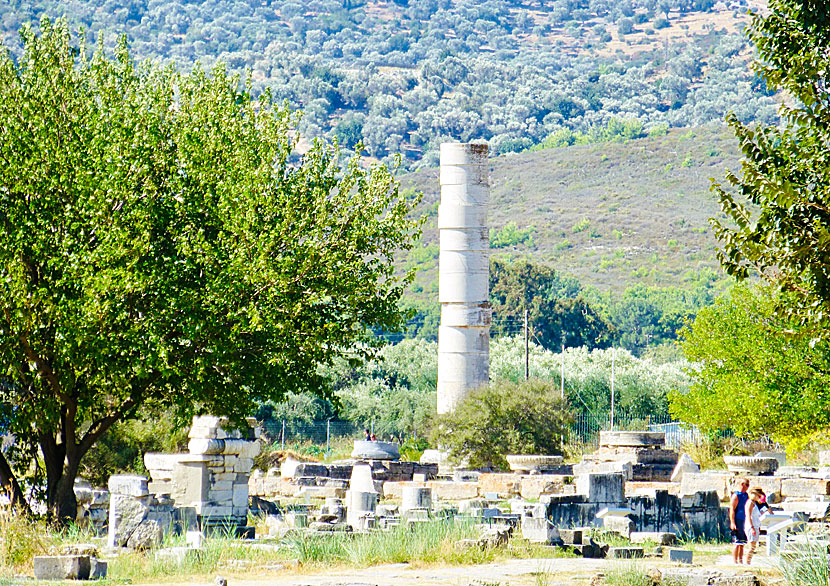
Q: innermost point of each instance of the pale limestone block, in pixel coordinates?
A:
(244, 465)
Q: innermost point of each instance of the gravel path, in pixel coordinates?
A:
(528, 572)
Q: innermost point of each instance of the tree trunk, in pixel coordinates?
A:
(8, 481)
(64, 504)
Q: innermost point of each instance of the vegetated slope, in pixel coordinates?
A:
(611, 214)
(405, 75)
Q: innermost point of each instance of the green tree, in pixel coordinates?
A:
(749, 372)
(778, 206)
(162, 246)
(552, 302)
(504, 418)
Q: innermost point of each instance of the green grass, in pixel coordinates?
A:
(806, 565)
(422, 543)
(628, 574)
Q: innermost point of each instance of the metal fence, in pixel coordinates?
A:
(586, 428)
(584, 431)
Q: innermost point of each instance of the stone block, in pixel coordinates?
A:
(206, 424)
(620, 525)
(719, 482)
(125, 514)
(585, 468)
(97, 569)
(206, 447)
(602, 488)
(161, 462)
(128, 485)
(471, 506)
(416, 497)
(453, 491)
(685, 465)
(160, 488)
(147, 535)
(632, 438)
(650, 489)
(240, 496)
(571, 536)
(465, 476)
(655, 537)
(62, 567)
(216, 511)
(221, 496)
(243, 466)
(804, 487)
(625, 553)
(506, 485)
(532, 487)
(321, 492)
(587, 550)
(539, 530)
(683, 556)
(769, 484)
(220, 485)
(311, 469)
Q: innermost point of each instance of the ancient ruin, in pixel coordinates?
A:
(463, 273)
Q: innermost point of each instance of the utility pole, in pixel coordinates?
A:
(613, 361)
(527, 349)
(562, 373)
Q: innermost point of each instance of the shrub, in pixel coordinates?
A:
(504, 418)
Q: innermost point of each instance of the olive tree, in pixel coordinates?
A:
(164, 245)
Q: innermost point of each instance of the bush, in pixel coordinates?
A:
(504, 418)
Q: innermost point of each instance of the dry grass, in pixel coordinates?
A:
(647, 202)
(21, 539)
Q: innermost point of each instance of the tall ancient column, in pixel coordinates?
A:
(463, 273)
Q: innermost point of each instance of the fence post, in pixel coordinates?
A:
(283, 435)
(328, 435)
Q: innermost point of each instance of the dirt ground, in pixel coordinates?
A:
(527, 572)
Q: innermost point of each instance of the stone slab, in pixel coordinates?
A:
(506, 485)
(62, 567)
(804, 487)
(128, 485)
(644, 488)
(656, 537)
(632, 438)
(533, 486)
(607, 489)
(720, 482)
(539, 530)
(625, 553)
(682, 556)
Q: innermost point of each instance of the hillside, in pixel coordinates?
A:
(403, 76)
(611, 214)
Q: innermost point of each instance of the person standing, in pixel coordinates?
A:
(752, 525)
(737, 519)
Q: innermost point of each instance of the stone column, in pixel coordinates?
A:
(463, 273)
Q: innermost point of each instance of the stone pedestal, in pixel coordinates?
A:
(416, 497)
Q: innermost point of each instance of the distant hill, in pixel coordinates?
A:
(402, 76)
(611, 214)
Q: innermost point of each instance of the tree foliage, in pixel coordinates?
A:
(504, 418)
(163, 245)
(556, 313)
(403, 75)
(750, 374)
(778, 206)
